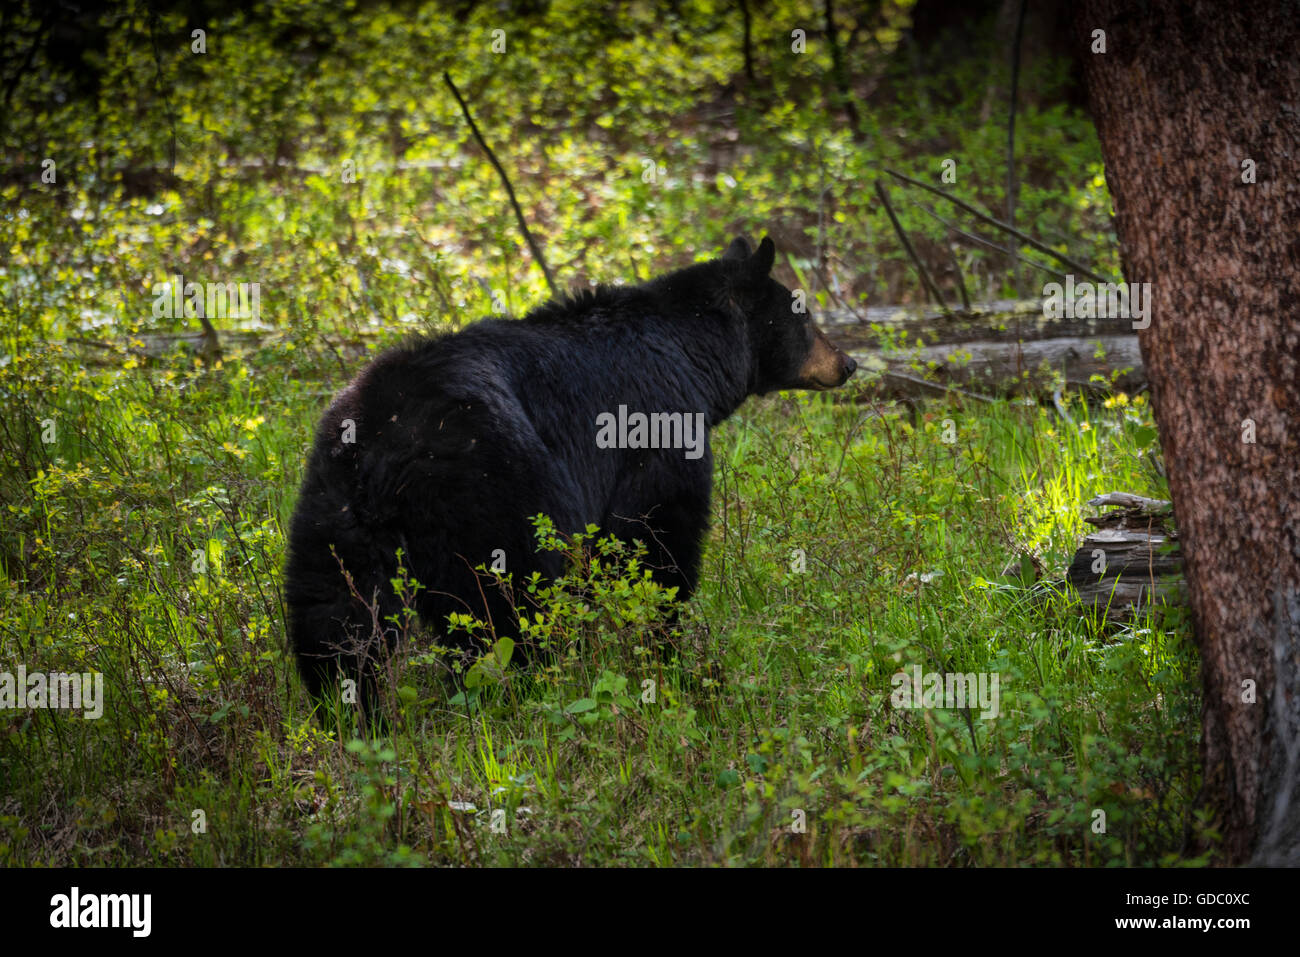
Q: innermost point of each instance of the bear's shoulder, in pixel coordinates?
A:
(581, 305)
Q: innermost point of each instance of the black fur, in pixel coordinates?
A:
(460, 439)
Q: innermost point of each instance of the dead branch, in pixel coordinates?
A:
(510, 190)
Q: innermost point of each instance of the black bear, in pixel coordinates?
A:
(593, 410)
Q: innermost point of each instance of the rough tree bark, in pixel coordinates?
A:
(1183, 96)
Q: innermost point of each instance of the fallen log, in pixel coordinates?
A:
(999, 368)
(206, 344)
(1131, 562)
(1005, 348)
(1006, 320)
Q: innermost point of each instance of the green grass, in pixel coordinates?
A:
(776, 702)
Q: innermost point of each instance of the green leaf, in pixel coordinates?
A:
(502, 650)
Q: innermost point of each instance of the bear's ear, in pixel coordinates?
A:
(738, 250)
(761, 264)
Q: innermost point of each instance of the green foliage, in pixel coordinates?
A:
(145, 492)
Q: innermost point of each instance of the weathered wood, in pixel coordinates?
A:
(1123, 553)
(1131, 562)
(157, 345)
(1126, 502)
(1005, 347)
(1009, 367)
(997, 349)
(1002, 321)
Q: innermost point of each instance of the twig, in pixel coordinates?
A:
(78, 340)
(986, 243)
(961, 280)
(937, 386)
(158, 76)
(924, 273)
(1011, 146)
(510, 190)
(838, 73)
(209, 344)
(37, 36)
(748, 48)
(824, 276)
(984, 217)
(821, 217)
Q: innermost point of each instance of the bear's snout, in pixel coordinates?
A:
(826, 366)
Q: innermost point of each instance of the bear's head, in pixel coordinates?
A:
(790, 352)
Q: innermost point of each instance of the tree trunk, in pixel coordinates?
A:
(1183, 96)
